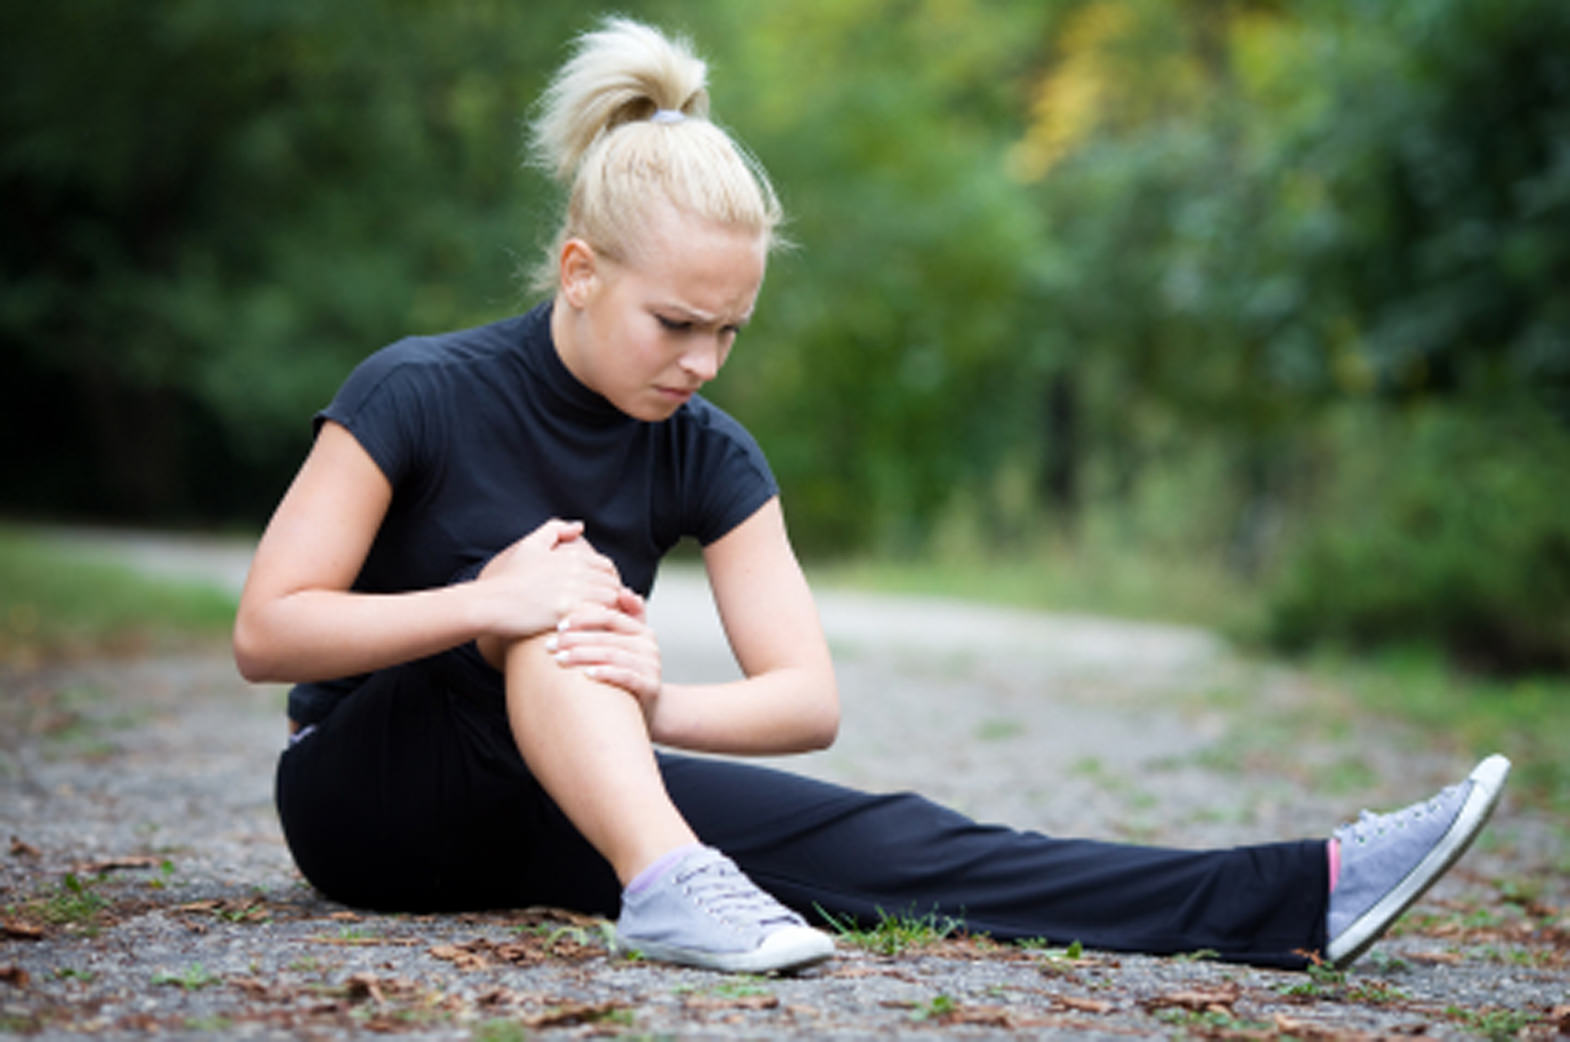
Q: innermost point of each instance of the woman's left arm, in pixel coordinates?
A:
(788, 701)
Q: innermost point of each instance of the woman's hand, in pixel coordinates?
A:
(613, 645)
(532, 585)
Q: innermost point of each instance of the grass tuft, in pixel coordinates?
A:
(894, 934)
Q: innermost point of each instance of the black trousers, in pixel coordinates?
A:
(411, 796)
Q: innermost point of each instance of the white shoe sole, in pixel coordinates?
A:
(1488, 781)
(790, 948)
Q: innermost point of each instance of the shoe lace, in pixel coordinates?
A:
(1370, 825)
(721, 888)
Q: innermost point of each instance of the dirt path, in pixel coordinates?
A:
(146, 857)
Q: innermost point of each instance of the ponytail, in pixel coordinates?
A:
(625, 124)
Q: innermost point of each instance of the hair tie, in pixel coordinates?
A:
(667, 116)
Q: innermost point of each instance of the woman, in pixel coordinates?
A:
(455, 584)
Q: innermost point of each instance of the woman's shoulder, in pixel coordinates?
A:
(461, 347)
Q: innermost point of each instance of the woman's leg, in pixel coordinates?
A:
(588, 745)
(852, 854)
(411, 796)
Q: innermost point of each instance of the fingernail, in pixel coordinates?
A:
(551, 642)
(562, 625)
(562, 657)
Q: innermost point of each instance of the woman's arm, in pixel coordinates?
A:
(298, 620)
(788, 701)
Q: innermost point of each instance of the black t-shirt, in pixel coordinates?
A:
(484, 435)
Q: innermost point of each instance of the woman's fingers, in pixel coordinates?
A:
(601, 615)
(609, 646)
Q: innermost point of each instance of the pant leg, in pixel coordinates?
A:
(412, 796)
(816, 845)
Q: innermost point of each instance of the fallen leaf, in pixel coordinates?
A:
(1436, 958)
(989, 1016)
(363, 986)
(20, 848)
(14, 975)
(1309, 1031)
(573, 1013)
(1082, 1004)
(1219, 996)
(348, 917)
(365, 942)
(709, 1003)
(462, 958)
(252, 987)
(18, 930)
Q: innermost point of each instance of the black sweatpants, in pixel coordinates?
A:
(411, 796)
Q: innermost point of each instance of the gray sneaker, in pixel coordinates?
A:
(1389, 860)
(705, 912)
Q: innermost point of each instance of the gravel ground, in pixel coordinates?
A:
(145, 888)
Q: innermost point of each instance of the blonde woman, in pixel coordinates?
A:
(454, 583)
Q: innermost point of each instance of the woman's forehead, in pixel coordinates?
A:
(708, 269)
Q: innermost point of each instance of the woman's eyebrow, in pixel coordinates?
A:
(704, 318)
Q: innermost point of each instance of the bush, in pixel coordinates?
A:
(1443, 524)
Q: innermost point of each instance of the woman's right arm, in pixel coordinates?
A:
(299, 621)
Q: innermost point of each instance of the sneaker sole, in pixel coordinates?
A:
(789, 949)
(1488, 781)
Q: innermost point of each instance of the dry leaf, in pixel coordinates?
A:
(1082, 1004)
(363, 986)
(20, 848)
(1220, 997)
(18, 930)
(989, 1016)
(14, 975)
(462, 958)
(93, 868)
(573, 1013)
(706, 1003)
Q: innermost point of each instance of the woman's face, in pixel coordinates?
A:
(647, 332)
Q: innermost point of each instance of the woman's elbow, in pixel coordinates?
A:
(825, 724)
(251, 652)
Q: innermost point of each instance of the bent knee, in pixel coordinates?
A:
(499, 652)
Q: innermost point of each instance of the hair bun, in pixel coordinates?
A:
(619, 73)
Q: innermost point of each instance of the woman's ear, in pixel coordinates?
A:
(579, 270)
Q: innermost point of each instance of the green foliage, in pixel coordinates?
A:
(1058, 263)
(1454, 528)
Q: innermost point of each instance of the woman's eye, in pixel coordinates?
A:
(673, 324)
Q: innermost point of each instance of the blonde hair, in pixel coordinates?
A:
(625, 124)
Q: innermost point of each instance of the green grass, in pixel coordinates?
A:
(1094, 579)
(893, 934)
(1526, 719)
(194, 977)
(54, 603)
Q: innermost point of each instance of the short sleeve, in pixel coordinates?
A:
(725, 477)
(386, 404)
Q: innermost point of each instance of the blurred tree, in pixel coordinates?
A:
(217, 209)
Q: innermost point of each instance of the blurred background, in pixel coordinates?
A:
(1254, 314)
